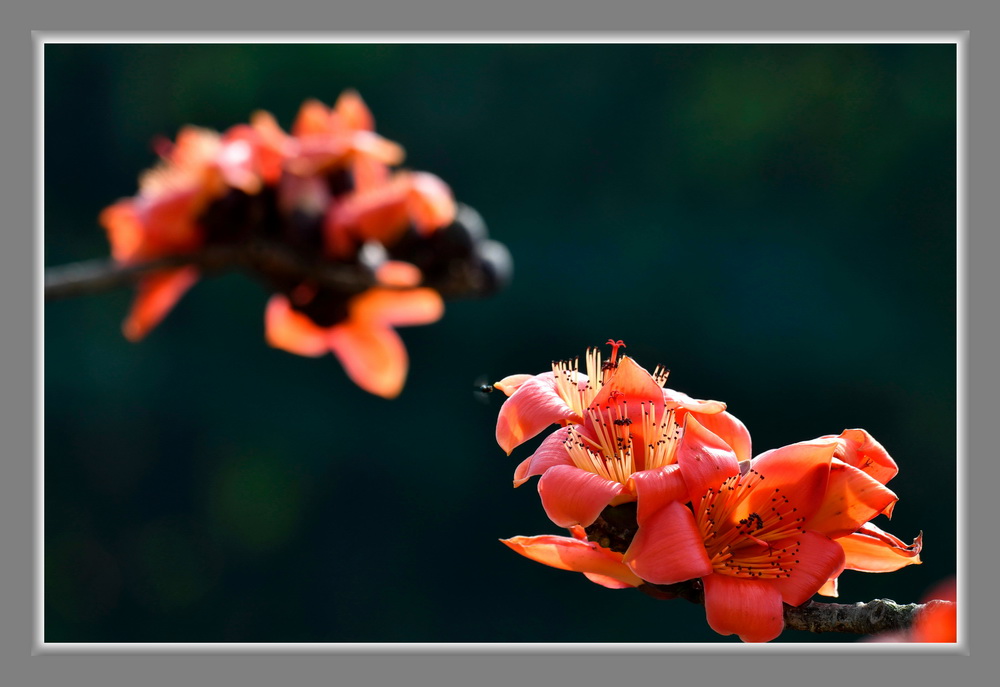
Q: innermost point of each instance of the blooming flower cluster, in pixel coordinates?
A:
(329, 192)
(753, 532)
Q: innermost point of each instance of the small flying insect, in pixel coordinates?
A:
(483, 389)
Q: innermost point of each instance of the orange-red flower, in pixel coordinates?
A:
(768, 535)
(621, 437)
(326, 190)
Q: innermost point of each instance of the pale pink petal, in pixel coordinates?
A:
(550, 452)
(512, 383)
(571, 496)
(600, 565)
(678, 399)
(292, 331)
(817, 560)
(156, 295)
(668, 548)
(705, 459)
(373, 356)
(430, 202)
(871, 549)
(533, 407)
(750, 608)
(398, 273)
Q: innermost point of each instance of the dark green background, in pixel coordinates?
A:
(775, 223)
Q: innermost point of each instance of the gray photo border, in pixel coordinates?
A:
(390, 664)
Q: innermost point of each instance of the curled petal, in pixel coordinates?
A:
(678, 399)
(668, 547)
(852, 498)
(551, 452)
(571, 496)
(730, 429)
(600, 565)
(871, 549)
(859, 449)
(157, 294)
(533, 407)
(818, 559)
(746, 607)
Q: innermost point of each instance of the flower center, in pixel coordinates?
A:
(762, 543)
(618, 445)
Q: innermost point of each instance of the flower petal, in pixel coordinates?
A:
(512, 383)
(852, 498)
(679, 399)
(571, 496)
(731, 430)
(817, 560)
(630, 383)
(600, 565)
(749, 608)
(871, 549)
(397, 308)
(550, 452)
(705, 459)
(858, 448)
(668, 547)
(654, 489)
(533, 407)
(293, 331)
(429, 201)
(373, 356)
(157, 294)
(799, 471)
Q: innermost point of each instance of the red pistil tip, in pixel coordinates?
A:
(615, 345)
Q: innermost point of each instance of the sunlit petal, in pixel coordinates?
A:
(751, 609)
(571, 496)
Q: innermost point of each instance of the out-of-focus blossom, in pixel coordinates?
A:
(327, 191)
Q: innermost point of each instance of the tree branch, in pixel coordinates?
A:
(266, 259)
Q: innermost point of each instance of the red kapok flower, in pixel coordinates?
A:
(761, 537)
(622, 435)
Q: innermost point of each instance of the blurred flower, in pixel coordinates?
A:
(764, 536)
(326, 192)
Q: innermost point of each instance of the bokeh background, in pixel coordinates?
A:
(775, 223)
